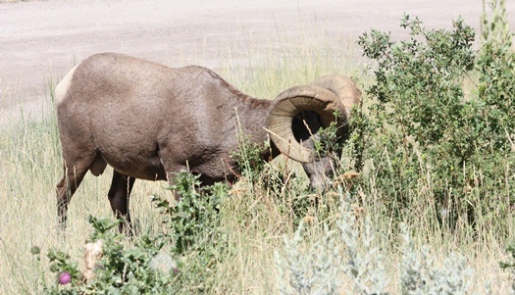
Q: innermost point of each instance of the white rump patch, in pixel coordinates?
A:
(62, 88)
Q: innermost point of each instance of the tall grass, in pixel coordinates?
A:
(31, 166)
(259, 223)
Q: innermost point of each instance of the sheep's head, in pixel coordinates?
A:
(299, 113)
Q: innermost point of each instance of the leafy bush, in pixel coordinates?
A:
(141, 266)
(426, 132)
(249, 157)
(496, 67)
(420, 108)
(124, 268)
(196, 232)
(194, 219)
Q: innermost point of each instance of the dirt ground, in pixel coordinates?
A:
(41, 40)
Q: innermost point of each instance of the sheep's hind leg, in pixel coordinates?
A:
(118, 195)
(66, 188)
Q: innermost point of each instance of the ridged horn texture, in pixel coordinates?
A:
(288, 105)
(346, 90)
(324, 96)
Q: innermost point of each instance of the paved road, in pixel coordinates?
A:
(42, 39)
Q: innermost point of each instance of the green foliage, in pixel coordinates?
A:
(140, 265)
(196, 231)
(249, 157)
(124, 268)
(496, 67)
(194, 219)
(426, 133)
(360, 136)
(101, 227)
(327, 141)
(60, 262)
(419, 80)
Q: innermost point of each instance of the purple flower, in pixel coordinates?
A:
(65, 278)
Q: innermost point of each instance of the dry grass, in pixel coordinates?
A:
(255, 222)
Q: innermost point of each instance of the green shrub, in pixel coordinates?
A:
(194, 220)
(141, 265)
(420, 107)
(496, 67)
(427, 133)
(124, 268)
(196, 232)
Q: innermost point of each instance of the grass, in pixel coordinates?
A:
(30, 168)
(255, 219)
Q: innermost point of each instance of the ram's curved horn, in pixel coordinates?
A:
(325, 96)
(288, 105)
(348, 93)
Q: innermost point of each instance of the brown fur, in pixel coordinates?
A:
(149, 121)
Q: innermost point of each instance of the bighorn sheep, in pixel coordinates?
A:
(149, 121)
